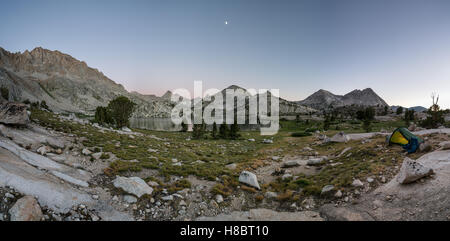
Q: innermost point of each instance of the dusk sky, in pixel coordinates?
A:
(401, 49)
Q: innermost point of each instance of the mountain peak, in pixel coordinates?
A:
(68, 84)
(234, 87)
(167, 95)
(323, 99)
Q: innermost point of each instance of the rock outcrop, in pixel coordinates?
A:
(132, 185)
(249, 179)
(67, 84)
(26, 209)
(425, 200)
(12, 113)
(340, 137)
(412, 171)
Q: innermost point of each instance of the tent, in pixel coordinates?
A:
(405, 138)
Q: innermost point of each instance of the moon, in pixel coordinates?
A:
(226, 22)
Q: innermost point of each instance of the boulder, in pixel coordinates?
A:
(425, 147)
(97, 155)
(275, 158)
(340, 137)
(86, 152)
(12, 113)
(43, 150)
(26, 209)
(219, 198)
(167, 198)
(308, 149)
(445, 145)
(132, 185)
(357, 183)
(286, 176)
(316, 161)
(412, 171)
(129, 199)
(249, 179)
(152, 150)
(291, 163)
(344, 151)
(153, 183)
(126, 129)
(271, 195)
(267, 141)
(327, 190)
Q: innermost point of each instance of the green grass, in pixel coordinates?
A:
(104, 156)
(348, 126)
(214, 155)
(364, 161)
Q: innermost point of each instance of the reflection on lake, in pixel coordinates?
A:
(156, 124)
(166, 124)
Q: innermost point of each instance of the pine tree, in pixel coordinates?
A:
(214, 131)
(409, 116)
(326, 123)
(121, 109)
(234, 129)
(223, 131)
(203, 129)
(184, 127)
(198, 131)
(367, 125)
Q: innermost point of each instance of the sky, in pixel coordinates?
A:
(399, 48)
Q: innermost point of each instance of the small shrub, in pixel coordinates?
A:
(44, 105)
(259, 198)
(302, 182)
(104, 156)
(179, 185)
(311, 130)
(286, 196)
(248, 189)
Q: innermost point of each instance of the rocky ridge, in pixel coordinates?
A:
(323, 99)
(67, 84)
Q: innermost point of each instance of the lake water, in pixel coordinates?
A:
(156, 124)
(166, 124)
